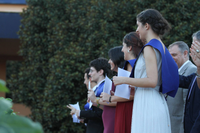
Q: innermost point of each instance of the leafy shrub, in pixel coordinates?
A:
(10, 122)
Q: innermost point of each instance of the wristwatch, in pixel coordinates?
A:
(110, 99)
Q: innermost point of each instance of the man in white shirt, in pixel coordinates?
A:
(180, 53)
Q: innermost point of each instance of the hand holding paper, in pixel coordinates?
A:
(91, 95)
(122, 90)
(89, 89)
(105, 97)
(118, 80)
(74, 108)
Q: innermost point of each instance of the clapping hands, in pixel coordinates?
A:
(195, 53)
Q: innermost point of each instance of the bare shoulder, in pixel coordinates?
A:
(148, 50)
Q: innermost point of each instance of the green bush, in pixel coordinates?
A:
(60, 37)
(10, 122)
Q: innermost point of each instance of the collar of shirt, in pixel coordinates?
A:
(94, 87)
(100, 83)
(183, 65)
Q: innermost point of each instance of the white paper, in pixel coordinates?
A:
(123, 90)
(90, 102)
(76, 106)
(89, 86)
(107, 85)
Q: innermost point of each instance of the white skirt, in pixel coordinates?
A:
(150, 112)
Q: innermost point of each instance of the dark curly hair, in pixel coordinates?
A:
(117, 56)
(101, 63)
(133, 39)
(153, 17)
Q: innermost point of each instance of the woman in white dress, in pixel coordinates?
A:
(150, 111)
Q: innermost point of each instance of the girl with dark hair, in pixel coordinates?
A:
(131, 48)
(155, 74)
(116, 58)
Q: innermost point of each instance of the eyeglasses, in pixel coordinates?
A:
(91, 71)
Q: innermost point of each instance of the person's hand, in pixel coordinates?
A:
(105, 97)
(132, 90)
(194, 54)
(88, 100)
(91, 95)
(73, 110)
(112, 93)
(81, 120)
(78, 114)
(195, 47)
(118, 80)
(100, 100)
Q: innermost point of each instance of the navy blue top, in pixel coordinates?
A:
(99, 89)
(192, 106)
(170, 76)
(131, 62)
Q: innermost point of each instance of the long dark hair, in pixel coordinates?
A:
(133, 39)
(117, 56)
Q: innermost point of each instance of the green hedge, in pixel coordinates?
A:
(60, 37)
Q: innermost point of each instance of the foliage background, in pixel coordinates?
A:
(60, 37)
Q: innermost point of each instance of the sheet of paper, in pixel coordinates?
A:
(76, 106)
(107, 85)
(123, 90)
(89, 87)
(90, 104)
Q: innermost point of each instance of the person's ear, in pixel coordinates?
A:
(130, 48)
(185, 53)
(147, 26)
(101, 72)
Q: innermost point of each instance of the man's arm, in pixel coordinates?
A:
(198, 78)
(95, 114)
(184, 81)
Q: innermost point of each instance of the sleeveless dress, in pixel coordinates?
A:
(123, 112)
(150, 110)
(108, 117)
(123, 117)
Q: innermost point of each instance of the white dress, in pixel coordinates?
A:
(150, 110)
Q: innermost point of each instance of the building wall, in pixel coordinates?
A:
(9, 41)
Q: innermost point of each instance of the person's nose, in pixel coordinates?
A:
(137, 30)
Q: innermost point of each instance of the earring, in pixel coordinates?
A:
(128, 51)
